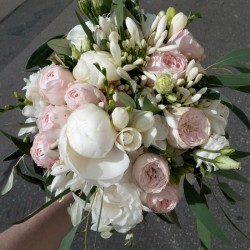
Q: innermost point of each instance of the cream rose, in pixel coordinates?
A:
(167, 62)
(193, 128)
(41, 151)
(151, 173)
(82, 93)
(53, 82)
(129, 139)
(165, 201)
(187, 45)
(86, 71)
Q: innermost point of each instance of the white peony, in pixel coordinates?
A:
(120, 207)
(86, 147)
(86, 71)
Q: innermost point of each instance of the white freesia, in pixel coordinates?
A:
(86, 71)
(215, 142)
(78, 37)
(178, 23)
(217, 114)
(120, 118)
(129, 139)
(147, 24)
(120, 207)
(89, 131)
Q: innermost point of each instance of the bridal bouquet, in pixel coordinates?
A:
(125, 117)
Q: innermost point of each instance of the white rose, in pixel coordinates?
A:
(78, 37)
(86, 71)
(129, 139)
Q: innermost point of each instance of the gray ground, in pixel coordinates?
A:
(25, 24)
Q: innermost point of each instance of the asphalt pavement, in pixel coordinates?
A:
(225, 25)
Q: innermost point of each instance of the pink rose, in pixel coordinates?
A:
(151, 173)
(82, 93)
(53, 82)
(187, 45)
(193, 128)
(53, 119)
(167, 62)
(41, 151)
(165, 201)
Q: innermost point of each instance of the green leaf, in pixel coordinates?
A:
(148, 106)
(68, 239)
(235, 56)
(60, 46)
(229, 192)
(119, 14)
(26, 177)
(240, 82)
(170, 217)
(201, 212)
(14, 155)
(9, 184)
(22, 146)
(231, 174)
(40, 55)
(59, 196)
(34, 174)
(85, 28)
(126, 100)
(204, 236)
(239, 154)
(228, 218)
(192, 16)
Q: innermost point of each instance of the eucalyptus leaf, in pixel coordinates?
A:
(239, 154)
(26, 177)
(59, 196)
(24, 147)
(235, 56)
(60, 46)
(14, 155)
(201, 212)
(228, 218)
(39, 57)
(9, 184)
(226, 189)
(126, 100)
(148, 106)
(204, 236)
(240, 82)
(68, 239)
(34, 174)
(85, 28)
(233, 175)
(119, 14)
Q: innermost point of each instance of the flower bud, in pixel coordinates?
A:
(75, 53)
(164, 84)
(171, 12)
(227, 151)
(143, 121)
(178, 23)
(224, 162)
(101, 7)
(84, 5)
(120, 118)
